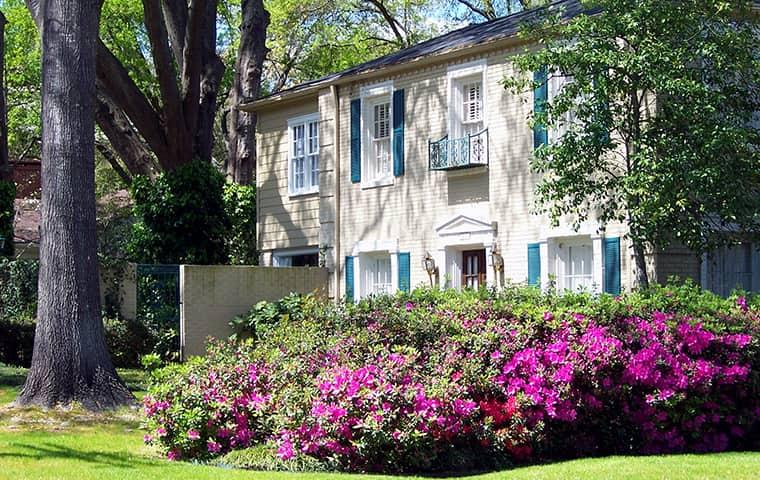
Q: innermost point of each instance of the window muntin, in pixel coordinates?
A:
(379, 122)
(304, 156)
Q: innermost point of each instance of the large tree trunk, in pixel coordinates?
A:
(241, 126)
(70, 362)
(5, 169)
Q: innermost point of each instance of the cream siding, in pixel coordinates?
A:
(283, 221)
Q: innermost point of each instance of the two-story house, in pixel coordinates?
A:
(415, 168)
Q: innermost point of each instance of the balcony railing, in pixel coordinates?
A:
(455, 153)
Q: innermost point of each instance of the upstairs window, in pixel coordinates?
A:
(377, 148)
(472, 106)
(466, 100)
(303, 167)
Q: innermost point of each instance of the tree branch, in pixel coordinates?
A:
(175, 15)
(114, 81)
(124, 140)
(167, 81)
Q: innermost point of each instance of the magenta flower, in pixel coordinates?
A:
(213, 447)
(173, 455)
(193, 434)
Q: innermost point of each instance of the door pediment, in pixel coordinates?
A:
(462, 224)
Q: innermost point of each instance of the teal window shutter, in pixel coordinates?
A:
(356, 141)
(350, 279)
(534, 264)
(540, 98)
(398, 133)
(404, 272)
(612, 265)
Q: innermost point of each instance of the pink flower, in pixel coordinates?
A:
(193, 434)
(285, 450)
(173, 455)
(409, 306)
(147, 438)
(548, 316)
(741, 302)
(213, 447)
(161, 431)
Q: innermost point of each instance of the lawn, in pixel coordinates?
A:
(74, 444)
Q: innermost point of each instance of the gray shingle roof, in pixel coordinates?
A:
(470, 36)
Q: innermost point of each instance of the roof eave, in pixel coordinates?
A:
(288, 96)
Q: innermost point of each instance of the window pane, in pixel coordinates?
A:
(382, 120)
(473, 105)
(314, 163)
(313, 138)
(298, 146)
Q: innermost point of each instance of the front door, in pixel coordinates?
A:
(474, 271)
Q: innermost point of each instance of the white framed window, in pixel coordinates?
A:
(575, 266)
(303, 155)
(466, 99)
(306, 257)
(377, 128)
(376, 274)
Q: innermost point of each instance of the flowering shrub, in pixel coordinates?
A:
(447, 380)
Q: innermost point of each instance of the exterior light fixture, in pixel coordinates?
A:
(428, 263)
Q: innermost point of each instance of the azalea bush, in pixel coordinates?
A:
(444, 380)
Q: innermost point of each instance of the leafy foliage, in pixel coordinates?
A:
(181, 217)
(659, 118)
(240, 207)
(443, 380)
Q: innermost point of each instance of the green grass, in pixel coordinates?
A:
(78, 445)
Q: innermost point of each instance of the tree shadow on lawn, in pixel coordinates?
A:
(49, 451)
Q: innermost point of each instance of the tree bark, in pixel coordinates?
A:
(240, 164)
(641, 279)
(123, 138)
(5, 168)
(70, 362)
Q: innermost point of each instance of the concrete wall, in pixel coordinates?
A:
(214, 295)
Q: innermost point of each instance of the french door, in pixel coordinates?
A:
(474, 268)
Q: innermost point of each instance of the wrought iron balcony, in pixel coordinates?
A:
(465, 152)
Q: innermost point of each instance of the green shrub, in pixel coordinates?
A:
(240, 205)
(181, 217)
(127, 341)
(18, 289)
(265, 314)
(264, 458)
(440, 380)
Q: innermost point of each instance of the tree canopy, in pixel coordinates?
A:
(655, 113)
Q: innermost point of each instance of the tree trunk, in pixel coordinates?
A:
(5, 168)
(70, 362)
(640, 266)
(241, 126)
